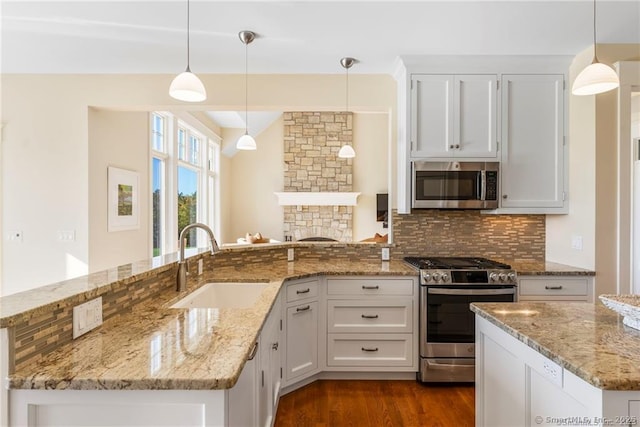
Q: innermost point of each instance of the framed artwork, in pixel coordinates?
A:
(124, 193)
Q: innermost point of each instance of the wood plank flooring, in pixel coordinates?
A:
(337, 403)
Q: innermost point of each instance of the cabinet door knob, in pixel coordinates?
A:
(504, 196)
(274, 346)
(458, 146)
(451, 146)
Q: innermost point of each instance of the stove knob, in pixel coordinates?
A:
(502, 277)
(512, 277)
(436, 277)
(426, 277)
(445, 277)
(493, 277)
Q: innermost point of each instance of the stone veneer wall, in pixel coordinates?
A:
(432, 232)
(311, 144)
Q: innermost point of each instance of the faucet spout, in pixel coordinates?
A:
(181, 282)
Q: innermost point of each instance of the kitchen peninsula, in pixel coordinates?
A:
(555, 364)
(197, 359)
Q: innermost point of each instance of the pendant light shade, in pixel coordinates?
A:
(246, 141)
(597, 77)
(186, 86)
(347, 151)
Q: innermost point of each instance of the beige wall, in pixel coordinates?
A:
(254, 177)
(370, 171)
(119, 139)
(45, 148)
(593, 188)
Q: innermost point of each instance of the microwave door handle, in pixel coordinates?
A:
(440, 291)
(483, 185)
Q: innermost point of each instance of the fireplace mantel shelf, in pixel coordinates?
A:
(299, 198)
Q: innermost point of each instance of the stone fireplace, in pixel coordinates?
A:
(311, 164)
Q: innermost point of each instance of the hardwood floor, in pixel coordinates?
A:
(336, 403)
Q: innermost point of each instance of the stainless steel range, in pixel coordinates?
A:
(447, 327)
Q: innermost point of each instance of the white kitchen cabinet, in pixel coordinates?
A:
(516, 385)
(555, 288)
(453, 116)
(301, 329)
(269, 378)
(371, 324)
(532, 164)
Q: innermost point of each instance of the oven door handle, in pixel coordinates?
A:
(441, 291)
(483, 185)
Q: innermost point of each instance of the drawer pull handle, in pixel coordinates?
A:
(254, 350)
(371, 350)
(305, 308)
(305, 291)
(370, 287)
(553, 288)
(369, 316)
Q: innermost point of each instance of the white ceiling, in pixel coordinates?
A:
(296, 36)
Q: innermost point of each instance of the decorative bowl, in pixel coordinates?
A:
(627, 305)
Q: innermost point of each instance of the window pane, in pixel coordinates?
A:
(182, 144)
(158, 133)
(158, 190)
(188, 203)
(194, 148)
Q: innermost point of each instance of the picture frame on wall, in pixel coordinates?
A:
(124, 199)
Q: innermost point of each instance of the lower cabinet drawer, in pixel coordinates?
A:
(391, 315)
(369, 350)
(553, 286)
(370, 287)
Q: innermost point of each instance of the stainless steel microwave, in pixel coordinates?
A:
(455, 185)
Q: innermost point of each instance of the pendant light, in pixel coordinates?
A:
(186, 86)
(597, 77)
(346, 151)
(246, 141)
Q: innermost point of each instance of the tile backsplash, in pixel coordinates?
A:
(469, 233)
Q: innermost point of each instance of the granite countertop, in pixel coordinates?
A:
(161, 348)
(587, 339)
(548, 269)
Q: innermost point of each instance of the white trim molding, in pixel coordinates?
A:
(299, 198)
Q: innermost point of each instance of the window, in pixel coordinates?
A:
(187, 161)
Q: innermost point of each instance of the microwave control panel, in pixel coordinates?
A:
(492, 185)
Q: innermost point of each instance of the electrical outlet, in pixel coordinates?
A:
(385, 254)
(87, 316)
(66, 235)
(200, 266)
(15, 236)
(576, 242)
(290, 254)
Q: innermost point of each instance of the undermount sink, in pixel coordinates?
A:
(223, 295)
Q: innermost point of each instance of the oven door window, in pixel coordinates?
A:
(448, 185)
(449, 318)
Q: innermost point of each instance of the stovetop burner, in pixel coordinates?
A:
(455, 263)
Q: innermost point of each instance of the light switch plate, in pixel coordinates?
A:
(290, 254)
(87, 316)
(385, 254)
(576, 242)
(200, 266)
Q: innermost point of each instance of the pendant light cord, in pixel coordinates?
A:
(188, 41)
(246, 88)
(595, 56)
(347, 94)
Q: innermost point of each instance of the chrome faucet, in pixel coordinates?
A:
(181, 283)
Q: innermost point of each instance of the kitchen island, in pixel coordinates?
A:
(555, 364)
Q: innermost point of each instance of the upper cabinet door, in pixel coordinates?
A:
(475, 115)
(432, 115)
(532, 164)
(453, 116)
